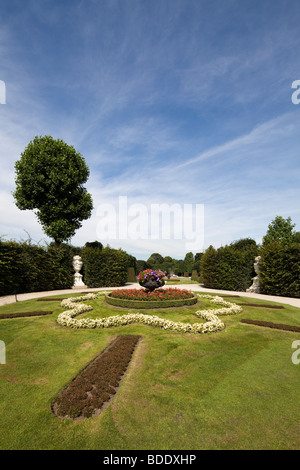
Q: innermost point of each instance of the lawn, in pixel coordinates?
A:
(235, 389)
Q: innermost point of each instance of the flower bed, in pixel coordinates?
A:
(98, 382)
(212, 324)
(159, 298)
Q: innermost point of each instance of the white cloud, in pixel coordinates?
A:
(151, 103)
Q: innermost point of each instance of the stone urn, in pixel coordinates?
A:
(152, 284)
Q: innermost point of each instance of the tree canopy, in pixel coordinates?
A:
(49, 180)
(280, 229)
(155, 261)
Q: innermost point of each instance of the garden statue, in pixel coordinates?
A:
(77, 265)
(255, 285)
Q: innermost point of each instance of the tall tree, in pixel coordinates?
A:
(155, 261)
(280, 229)
(49, 180)
(168, 264)
(197, 262)
(189, 262)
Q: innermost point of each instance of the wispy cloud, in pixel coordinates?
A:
(172, 101)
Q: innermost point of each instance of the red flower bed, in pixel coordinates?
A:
(156, 295)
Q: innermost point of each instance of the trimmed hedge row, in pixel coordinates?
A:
(280, 269)
(105, 267)
(229, 267)
(29, 268)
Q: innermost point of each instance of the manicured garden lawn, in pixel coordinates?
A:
(235, 389)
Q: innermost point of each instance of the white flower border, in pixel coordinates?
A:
(213, 323)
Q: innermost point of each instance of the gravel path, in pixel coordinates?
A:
(195, 287)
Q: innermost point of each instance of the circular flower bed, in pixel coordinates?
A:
(159, 298)
(212, 324)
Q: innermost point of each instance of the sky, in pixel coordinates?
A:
(185, 105)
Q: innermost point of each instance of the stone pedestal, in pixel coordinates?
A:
(77, 265)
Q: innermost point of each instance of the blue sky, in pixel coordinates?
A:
(169, 101)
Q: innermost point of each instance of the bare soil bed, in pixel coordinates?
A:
(98, 382)
(268, 324)
(25, 314)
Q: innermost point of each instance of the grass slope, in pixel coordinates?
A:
(236, 389)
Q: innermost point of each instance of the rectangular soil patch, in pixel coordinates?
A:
(25, 314)
(263, 306)
(268, 324)
(98, 382)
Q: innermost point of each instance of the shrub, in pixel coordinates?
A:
(280, 269)
(105, 267)
(230, 267)
(131, 262)
(141, 265)
(209, 265)
(30, 268)
(131, 277)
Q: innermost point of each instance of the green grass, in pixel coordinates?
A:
(236, 389)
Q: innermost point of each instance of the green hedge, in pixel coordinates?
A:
(131, 276)
(195, 275)
(280, 269)
(105, 267)
(29, 268)
(148, 304)
(229, 267)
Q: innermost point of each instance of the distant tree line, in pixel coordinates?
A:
(26, 267)
(179, 267)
